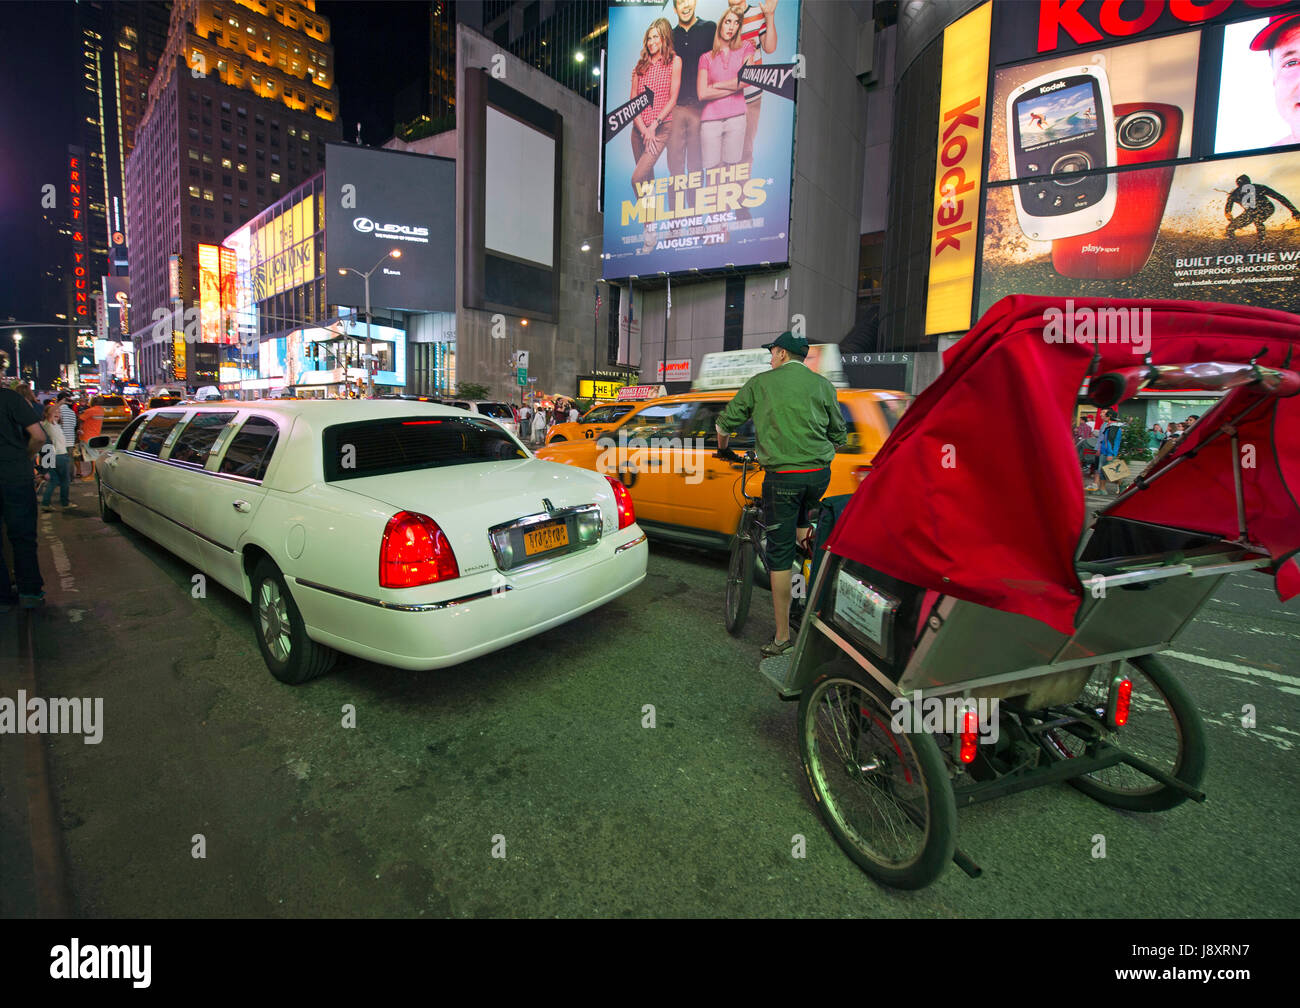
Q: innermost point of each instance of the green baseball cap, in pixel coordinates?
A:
(788, 341)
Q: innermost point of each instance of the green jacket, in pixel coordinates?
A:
(797, 418)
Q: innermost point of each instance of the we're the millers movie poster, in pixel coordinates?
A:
(698, 134)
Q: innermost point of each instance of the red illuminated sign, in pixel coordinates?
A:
(80, 257)
(1088, 23)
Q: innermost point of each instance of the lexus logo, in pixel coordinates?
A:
(402, 232)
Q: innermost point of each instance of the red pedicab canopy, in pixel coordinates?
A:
(977, 493)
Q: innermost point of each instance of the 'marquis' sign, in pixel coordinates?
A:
(77, 219)
(1064, 25)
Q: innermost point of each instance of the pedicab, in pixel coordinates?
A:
(970, 633)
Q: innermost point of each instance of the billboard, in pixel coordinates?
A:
(1167, 167)
(708, 185)
(209, 294)
(381, 200)
(283, 251)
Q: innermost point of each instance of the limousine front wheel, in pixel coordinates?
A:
(290, 654)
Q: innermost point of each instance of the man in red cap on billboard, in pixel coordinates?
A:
(1281, 38)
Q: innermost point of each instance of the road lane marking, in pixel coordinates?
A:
(1227, 666)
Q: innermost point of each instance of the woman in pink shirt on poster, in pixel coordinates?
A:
(660, 70)
(722, 123)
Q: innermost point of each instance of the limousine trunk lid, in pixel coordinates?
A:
(468, 500)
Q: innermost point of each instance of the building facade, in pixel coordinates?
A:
(238, 115)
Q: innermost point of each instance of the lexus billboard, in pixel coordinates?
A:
(378, 201)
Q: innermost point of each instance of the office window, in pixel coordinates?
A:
(194, 191)
(207, 195)
(275, 177)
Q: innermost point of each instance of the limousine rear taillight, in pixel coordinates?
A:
(626, 512)
(415, 551)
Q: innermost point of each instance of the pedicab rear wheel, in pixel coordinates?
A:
(884, 795)
(1164, 728)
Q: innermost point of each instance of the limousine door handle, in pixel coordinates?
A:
(242, 506)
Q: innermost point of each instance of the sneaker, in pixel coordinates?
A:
(69, 506)
(776, 648)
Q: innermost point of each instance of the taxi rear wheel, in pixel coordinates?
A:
(291, 655)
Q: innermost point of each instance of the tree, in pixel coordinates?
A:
(1133, 443)
(471, 390)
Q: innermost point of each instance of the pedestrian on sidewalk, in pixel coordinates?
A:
(1108, 443)
(20, 439)
(55, 461)
(92, 424)
(539, 426)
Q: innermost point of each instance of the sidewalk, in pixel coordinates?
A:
(1097, 501)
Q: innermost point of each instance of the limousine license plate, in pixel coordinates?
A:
(552, 535)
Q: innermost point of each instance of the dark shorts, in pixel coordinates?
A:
(787, 498)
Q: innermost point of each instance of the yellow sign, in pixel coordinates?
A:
(283, 252)
(598, 390)
(178, 356)
(962, 107)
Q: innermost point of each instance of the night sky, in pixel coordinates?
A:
(380, 48)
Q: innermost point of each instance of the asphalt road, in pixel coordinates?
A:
(544, 753)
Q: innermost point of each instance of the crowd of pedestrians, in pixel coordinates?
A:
(536, 422)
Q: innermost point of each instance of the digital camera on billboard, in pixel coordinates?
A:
(1061, 126)
(1144, 132)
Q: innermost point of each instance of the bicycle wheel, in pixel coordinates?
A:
(885, 795)
(740, 579)
(1164, 728)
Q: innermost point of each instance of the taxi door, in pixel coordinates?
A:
(709, 495)
(648, 455)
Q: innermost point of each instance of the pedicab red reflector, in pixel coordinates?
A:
(1121, 696)
(415, 551)
(970, 730)
(626, 513)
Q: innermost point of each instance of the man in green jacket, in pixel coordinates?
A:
(798, 426)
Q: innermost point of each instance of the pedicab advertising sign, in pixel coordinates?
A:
(1162, 168)
(706, 183)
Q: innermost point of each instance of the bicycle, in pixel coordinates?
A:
(749, 546)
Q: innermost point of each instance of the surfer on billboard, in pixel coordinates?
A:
(723, 119)
(660, 70)
(1256, 207)
(1281, 37)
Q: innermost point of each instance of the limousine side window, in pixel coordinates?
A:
(156, 431)
(198, 437)
(124, 439)
(250, 450)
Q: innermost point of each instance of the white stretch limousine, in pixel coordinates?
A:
(410, 534)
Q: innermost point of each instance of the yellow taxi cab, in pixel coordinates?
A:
(115, 408)
(592, 423)
(663, 452)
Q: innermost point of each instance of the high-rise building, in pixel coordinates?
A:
(238, 114)
(121, 44)
(561, 38)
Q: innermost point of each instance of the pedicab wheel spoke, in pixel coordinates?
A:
(1164, 728)
(740, 583)
(885, 795)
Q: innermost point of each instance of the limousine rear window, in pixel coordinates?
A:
(404, 444)
(153, 436)
(250, 450)
(198, 437)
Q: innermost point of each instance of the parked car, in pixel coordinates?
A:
(663, 453)
(405, 533)
(501, 412)
(592, 423)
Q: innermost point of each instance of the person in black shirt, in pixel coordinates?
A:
(692, 38)
(20, 438)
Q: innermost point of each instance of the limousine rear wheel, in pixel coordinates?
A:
(291, 655)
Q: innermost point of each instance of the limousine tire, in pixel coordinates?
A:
(106, 514)
(291, 655)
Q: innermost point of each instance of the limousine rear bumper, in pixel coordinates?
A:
(480, 622)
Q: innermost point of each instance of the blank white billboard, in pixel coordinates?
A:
(519, 210)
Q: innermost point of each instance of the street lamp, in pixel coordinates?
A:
(370, 350)
(18, 356)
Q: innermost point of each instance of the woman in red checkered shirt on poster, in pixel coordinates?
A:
(660, 70)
